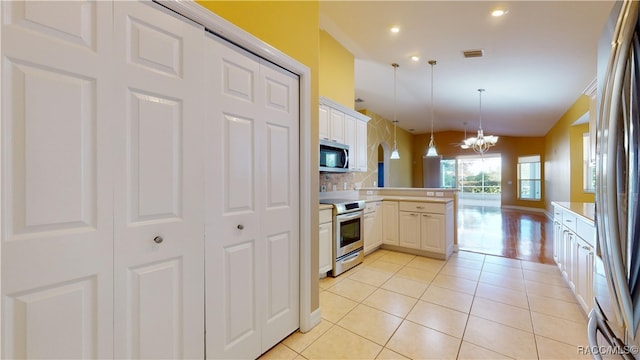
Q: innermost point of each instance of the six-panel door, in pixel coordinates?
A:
(57, 206)
(251, 173)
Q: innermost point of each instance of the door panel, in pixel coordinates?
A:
(57, 227)
(233, 247)
(159, 226)
(280, 207)
(156, 303)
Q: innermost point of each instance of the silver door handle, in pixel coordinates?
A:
(158, 239)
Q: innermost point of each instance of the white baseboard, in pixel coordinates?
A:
(314, 319)
(524, 208)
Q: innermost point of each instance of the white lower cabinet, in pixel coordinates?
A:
(427, 226)
(574, 240)
(372, 226)
(409, 224)
(326, 241)
(390, 234)
(583, 277)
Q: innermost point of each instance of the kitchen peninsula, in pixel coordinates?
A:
(419, 221)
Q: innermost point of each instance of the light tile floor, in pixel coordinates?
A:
(473, 306)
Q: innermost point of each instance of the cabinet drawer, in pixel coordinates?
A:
(326, 216)
(569, 220)
(422, 207)
(372, 207)
(557, 213)
(586, 231)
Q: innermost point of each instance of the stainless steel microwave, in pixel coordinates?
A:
(334, 157)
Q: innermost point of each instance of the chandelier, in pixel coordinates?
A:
(431, 149)
(480, 143)
(394, 154)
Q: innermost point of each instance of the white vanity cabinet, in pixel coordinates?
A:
(372, 226)
(427, 226)
(325, 241)
(574, 244)
(345, 126)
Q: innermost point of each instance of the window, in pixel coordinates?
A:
(589, 167)
(529, 177)
(448, 172)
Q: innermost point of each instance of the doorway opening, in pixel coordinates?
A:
(380, 166)
(479, 180)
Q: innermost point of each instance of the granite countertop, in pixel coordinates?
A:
(584, 210)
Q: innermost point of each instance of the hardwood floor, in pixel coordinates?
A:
(513, 234)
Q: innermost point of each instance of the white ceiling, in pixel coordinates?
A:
(538, 59)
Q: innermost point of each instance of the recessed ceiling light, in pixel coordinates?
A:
(415, 58)
(395, 29)
(497, 12)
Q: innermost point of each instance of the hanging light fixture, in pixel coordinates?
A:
(431, 149)
(480, 143)
(464, 145)
(394, 154)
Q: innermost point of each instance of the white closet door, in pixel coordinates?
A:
(57, 229)
(159, 224)
(251, 187)
(280, 211)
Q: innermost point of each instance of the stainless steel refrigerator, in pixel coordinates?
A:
(613, 322)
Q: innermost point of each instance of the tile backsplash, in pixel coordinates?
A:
(337, 182)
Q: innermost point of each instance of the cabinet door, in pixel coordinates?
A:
(361, 146)
(409, 229)
(390, 222)
(323, 123)
(350, 139)
(326, 247)
(372, 228)
(557, 243)
(584, 274)
(432, 232)
(571, 254)
(336, 126)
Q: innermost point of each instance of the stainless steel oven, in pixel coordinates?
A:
(348, 229)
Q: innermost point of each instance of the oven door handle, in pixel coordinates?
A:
(350, 216)
(350, 258)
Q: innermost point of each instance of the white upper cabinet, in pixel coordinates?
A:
(345, 126)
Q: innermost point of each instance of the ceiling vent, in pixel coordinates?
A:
(473, 53)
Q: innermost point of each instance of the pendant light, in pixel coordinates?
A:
(431, 149)
(480, 143)
(464, 146)
(394, 154)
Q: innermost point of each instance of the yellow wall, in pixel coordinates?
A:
(577, 164)
(293, 28)
(510, 148)
(559, 162)
(336, 74)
